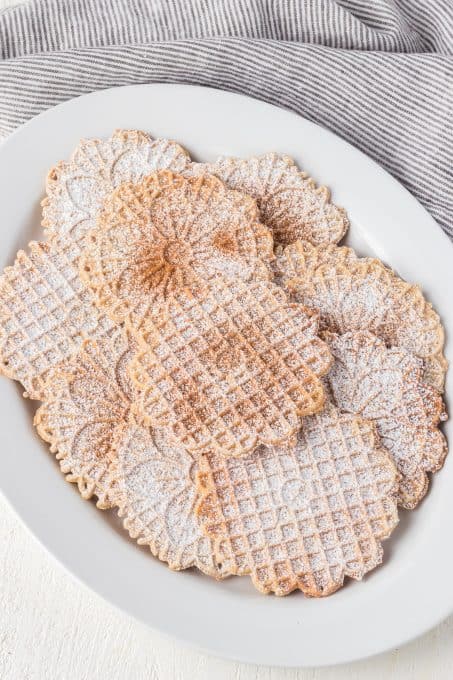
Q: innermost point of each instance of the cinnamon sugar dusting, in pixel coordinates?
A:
(206, 317)
(159, 237)
(245, 408)
(250, 363)
(290, 203)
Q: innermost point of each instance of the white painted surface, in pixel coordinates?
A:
(52, 627)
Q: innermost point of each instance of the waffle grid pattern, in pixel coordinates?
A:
(303, 517)
(290, 202)
(45, 313)
(272, 362)
(340, 285)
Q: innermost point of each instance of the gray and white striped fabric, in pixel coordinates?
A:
(377, 72)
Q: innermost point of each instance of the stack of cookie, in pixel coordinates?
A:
(252, 398)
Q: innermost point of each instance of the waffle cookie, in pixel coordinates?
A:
(307, 515)
(76, 189)
(45, 313)
(290, 203)
(167, 235)
(236, 370)
(86, 417)
(224, 360)
(157, 502)
(384, 385)
(86, 405)
(248, 397)
(354, 293)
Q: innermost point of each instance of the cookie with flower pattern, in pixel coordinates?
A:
(168, 235)
(384, 385)
(305, 515)
(86, 406)
(353, 293)
(290, 202)
(224, 359)
(45, 312)
(87, 418)
(76, 189)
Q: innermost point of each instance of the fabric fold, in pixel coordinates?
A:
(379, 75)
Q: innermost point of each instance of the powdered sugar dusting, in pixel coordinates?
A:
(45, 313)
(158, 497)
(169, 234)
(218, 359)
(303, 516)
(84, 410)
(354, 293)
(87, 418)
(231, 371)
(385, 386)
(76, 189)
(290, 202)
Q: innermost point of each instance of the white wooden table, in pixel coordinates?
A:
(53, 628)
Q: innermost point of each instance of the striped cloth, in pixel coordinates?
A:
(377, 72)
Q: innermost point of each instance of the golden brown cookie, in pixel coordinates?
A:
(384, 385)
(290, 203)
(233, 370)
(169, 235)
(224, 361)
(86, 417)
(354, 293)
(306, 515)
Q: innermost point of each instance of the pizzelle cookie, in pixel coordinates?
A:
(302, 258)
(158, 499)
(167, 234)
(77, 188)
(384, 385)
(182, 377)
(306, 515)
(86, 417)
(353, 293)
(224, 360)
(237, 370)
(45, 313)
(86, 405)
(290, 202)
